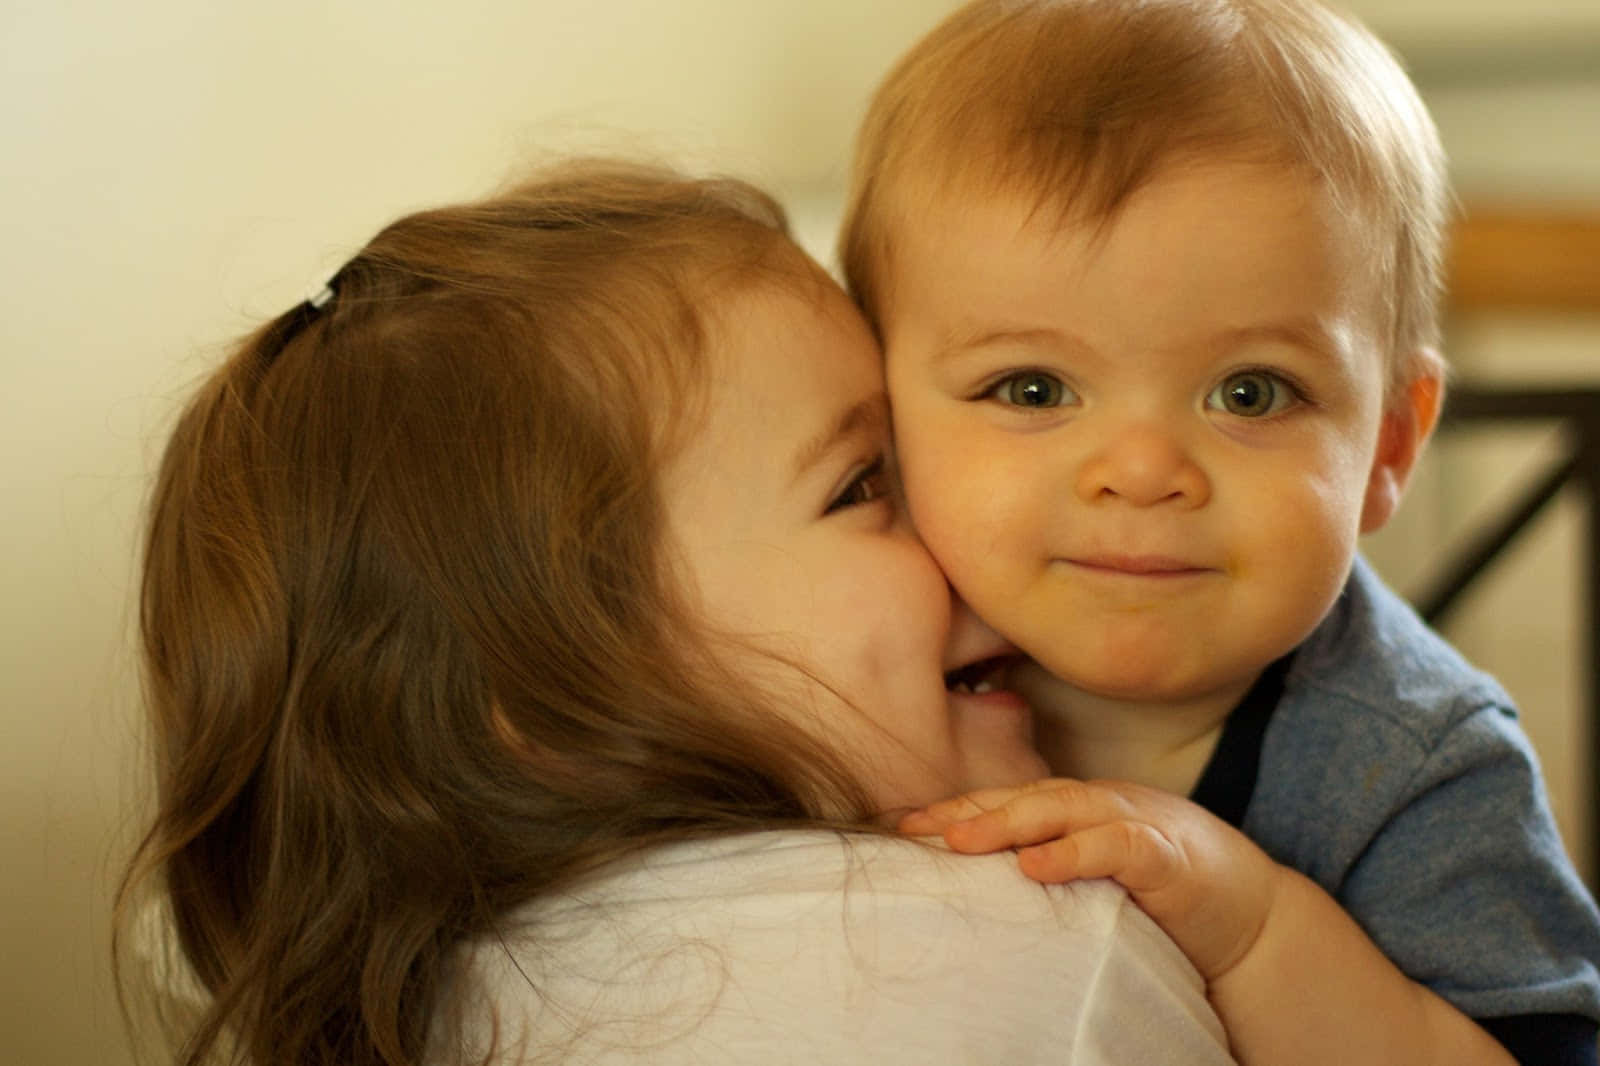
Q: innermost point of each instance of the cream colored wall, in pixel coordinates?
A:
(172, 172)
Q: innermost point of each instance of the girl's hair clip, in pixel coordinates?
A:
(319, 299)
(301, 316)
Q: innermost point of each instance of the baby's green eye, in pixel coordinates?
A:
(1252, 394)
(1032, 389)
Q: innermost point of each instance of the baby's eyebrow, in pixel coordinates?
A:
(870, 414)
(1309, 334)
(977, 340)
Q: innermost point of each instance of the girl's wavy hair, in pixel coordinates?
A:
(413, 650)
(1076, 104)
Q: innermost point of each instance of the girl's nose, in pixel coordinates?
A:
(1144, 464)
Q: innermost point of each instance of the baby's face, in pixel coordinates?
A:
(1141, 450)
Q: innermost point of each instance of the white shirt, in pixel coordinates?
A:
(809, 948)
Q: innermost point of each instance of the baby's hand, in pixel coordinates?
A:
(1202, 881)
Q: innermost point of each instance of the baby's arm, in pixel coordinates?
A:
(1293, 977)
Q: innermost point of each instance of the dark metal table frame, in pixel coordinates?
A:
(1577, 410)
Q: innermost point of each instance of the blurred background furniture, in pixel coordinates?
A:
(1541, 262)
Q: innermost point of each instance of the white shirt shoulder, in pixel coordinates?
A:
(814, 947)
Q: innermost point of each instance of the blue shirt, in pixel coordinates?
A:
(1394, 774)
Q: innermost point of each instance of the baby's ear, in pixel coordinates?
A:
(1408, 420)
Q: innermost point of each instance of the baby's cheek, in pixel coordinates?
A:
(933, 497)
(969, 541)
(918, 484)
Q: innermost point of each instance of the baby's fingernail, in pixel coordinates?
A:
(917, 823)
(961, 837)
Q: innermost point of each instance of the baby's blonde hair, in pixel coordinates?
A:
(1078, 103)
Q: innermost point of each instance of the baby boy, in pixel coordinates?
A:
(1157, 283)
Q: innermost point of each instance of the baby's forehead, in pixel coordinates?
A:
(974, 224)
(981, 282)
(1185, 200)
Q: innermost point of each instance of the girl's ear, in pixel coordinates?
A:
(1407, 423)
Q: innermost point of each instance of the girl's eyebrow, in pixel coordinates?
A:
(869, 414)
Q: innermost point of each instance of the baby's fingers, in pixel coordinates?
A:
(937, 817)
(1037, 813)
(1134, 854)
(932, 820)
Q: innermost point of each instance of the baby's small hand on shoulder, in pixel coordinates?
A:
(1203, 881)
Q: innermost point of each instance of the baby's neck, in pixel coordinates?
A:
(1164, 745)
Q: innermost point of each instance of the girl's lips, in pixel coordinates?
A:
(984, 679)
(980, 676)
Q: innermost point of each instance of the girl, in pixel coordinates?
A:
(532, 643)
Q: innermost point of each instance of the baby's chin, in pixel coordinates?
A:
(1050, 694)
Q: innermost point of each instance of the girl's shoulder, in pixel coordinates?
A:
(849, 948)
(857, 869)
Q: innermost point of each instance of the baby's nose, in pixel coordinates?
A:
(1144, 464)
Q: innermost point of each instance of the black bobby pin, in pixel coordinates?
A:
(301, 316)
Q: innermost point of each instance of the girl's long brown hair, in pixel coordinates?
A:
(413, 655)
